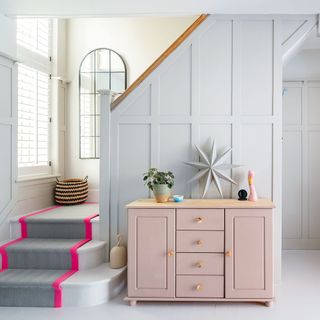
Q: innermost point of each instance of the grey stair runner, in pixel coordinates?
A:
(63, 222)
(28, 288)
(41, 254)
(37, 261)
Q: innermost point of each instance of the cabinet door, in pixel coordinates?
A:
(151, 246)
(248, 261)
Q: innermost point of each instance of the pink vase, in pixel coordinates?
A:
(253, 194)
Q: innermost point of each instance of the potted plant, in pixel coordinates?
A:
(160, 183)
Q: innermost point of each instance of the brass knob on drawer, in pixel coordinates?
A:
(199, 220)
(199, 264)
(199, 242)
(198, 287)
(229, 253)
(170, 253)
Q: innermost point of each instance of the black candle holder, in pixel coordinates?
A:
(242, 195)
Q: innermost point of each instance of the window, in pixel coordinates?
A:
(100, 69)
(33, 34)
(33, 117)
(33, 40)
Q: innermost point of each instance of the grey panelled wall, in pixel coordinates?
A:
(224, 81)
(7, 135)
(301, 158)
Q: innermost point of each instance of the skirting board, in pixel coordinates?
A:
(301, 244)
(132, 301)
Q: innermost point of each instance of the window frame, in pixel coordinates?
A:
(42, 64)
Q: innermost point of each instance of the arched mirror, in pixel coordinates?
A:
(100, 69)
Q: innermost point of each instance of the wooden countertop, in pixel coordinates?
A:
(203, 203)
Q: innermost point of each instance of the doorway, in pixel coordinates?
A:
(301, 148)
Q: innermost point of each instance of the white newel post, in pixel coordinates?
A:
(104, 190)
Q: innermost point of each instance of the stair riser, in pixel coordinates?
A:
(26, 297)
(39, 260)
(89, 257)
(15, 231)
(94, 294)
(92, 258)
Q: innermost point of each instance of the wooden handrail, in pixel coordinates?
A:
(157, 62)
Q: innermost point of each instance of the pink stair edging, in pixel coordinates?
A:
(73, 250)
(74, 262)
(56, 285)
(57, 288)
(24, 234)
(88, 224)
(74, 254)
(4, 254)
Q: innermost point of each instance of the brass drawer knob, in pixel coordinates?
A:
(199, 242)
(170, 253)
(199, 264)
(229, 253)
(199, 220)
(198, 287)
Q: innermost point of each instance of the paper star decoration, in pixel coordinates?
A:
(211, 167)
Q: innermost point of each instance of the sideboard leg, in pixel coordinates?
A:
(268, 304)
(132, 303)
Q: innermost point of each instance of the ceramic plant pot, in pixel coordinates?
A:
(161, 192)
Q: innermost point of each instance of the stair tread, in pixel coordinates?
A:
(15, 219)
(42, 245)
(63, 214)
(52, 244)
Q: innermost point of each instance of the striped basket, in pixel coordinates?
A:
(71, 191)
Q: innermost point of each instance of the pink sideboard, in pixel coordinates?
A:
(200, 250)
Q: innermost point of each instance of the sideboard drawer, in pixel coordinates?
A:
(200, 286)
(200, 219)
(200, 263)
(200, 241)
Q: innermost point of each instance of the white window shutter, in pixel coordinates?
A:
(33, 40)
(34, 34)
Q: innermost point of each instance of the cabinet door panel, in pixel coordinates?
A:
(151, 234)
(249, 268)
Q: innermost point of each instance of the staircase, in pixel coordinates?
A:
(55, 259)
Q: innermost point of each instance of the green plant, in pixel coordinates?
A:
(153, 177)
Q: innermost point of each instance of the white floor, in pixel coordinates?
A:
(298, 297)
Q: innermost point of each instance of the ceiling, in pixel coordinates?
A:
(71, 8)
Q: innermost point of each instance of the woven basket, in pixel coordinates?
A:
(71, 191)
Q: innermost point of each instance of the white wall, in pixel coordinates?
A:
(29, 196)
(305, 65)
(138, 40)
(7, 37)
